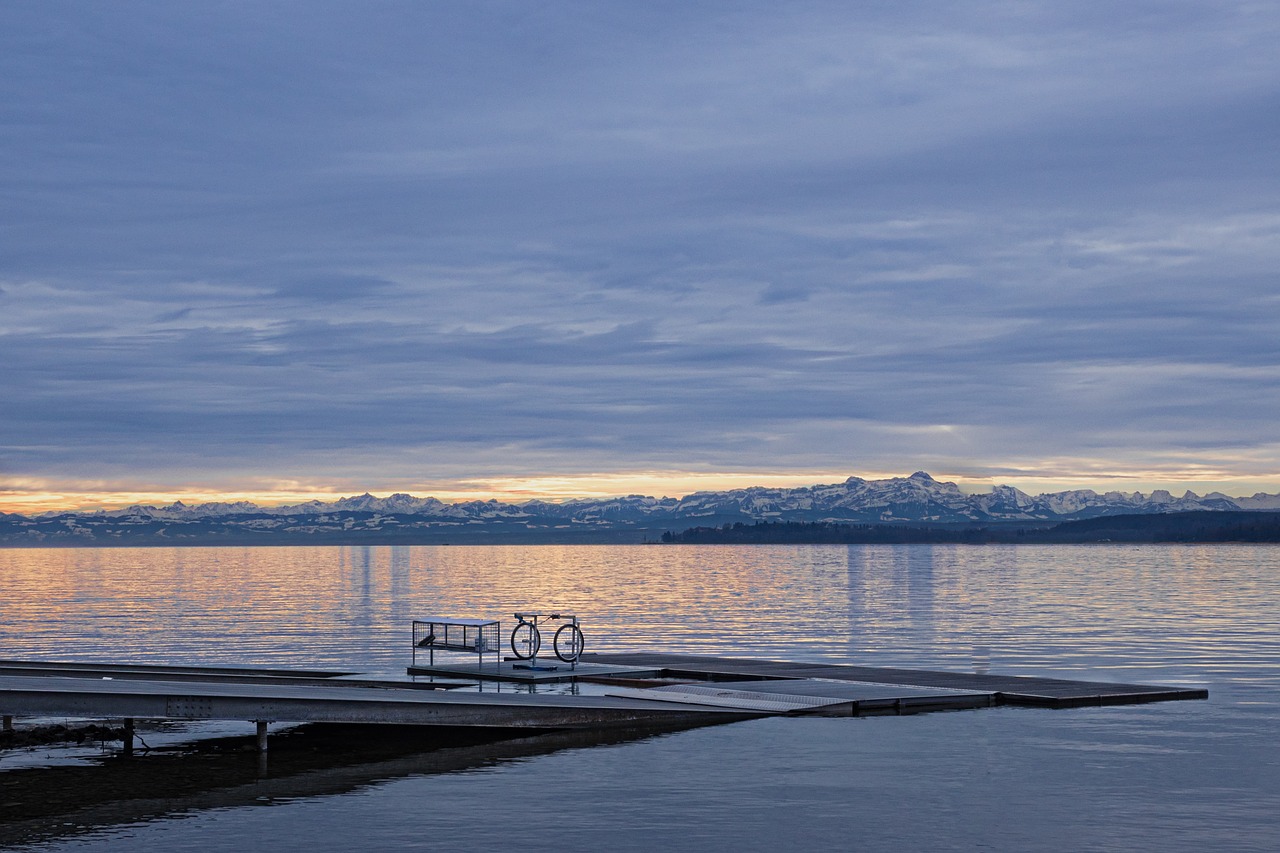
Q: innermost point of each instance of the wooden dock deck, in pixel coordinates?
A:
(82, 691)
(617, 690)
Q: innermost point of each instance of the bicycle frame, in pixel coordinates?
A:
(526, 637)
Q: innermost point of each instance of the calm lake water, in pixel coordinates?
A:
(1170, 776)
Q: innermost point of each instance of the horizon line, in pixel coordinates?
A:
(30, 498)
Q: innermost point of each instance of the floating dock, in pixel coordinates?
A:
(1004, 689)
(606, 690)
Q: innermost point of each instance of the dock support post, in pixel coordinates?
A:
(128, 736)
(262, 748)
(8, 723)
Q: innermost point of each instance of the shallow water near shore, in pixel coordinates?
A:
(1174, 776)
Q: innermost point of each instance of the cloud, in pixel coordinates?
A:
(514, 239)
(333, 287)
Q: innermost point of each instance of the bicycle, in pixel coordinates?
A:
(526, 638)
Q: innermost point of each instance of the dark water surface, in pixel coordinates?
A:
(1170, 776)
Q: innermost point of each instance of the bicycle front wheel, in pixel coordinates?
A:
(568, 642)
(525, 640)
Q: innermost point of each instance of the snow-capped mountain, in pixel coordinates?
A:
(915, 499)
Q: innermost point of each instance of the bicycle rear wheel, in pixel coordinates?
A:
(568, 642)
(525, 640)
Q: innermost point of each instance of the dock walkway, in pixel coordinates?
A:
(82, 690)
(617, 690)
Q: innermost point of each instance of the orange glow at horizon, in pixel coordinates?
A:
(35, 497)
(71, 500)
(31, 496)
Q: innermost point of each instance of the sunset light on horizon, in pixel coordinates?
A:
(31, 498)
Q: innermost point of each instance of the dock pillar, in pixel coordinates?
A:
(8, 723)
(128, 736)
(262, 736)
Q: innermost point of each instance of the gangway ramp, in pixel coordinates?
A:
(334, 702)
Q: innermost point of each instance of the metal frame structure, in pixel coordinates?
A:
(477, 636)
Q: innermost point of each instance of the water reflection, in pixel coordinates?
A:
(1111, 778)
(1123, 612)
(892, 588)
(310, 761)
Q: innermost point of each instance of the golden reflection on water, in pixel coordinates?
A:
(1121, 612)
(1176, 775)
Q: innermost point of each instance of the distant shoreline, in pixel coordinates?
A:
(1202, 527)
(1171, 528)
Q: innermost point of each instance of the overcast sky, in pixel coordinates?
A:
(270, 248)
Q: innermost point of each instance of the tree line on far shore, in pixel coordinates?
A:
(1151, 528)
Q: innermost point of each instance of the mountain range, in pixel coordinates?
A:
(404, 519)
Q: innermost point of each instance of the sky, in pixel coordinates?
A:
(285, 250)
